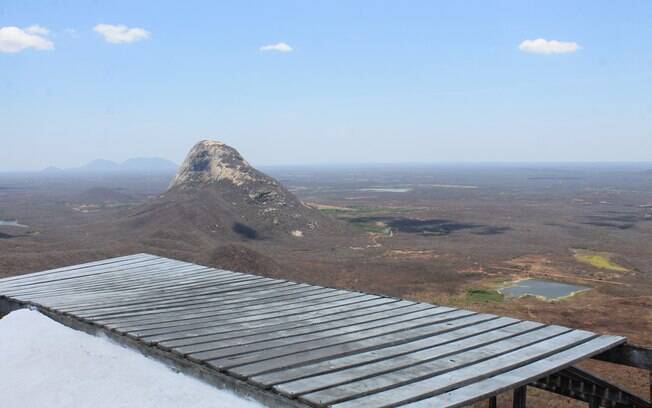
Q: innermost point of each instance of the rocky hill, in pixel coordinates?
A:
(218, 192)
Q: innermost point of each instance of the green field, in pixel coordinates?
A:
(600, 260)
(483, 296)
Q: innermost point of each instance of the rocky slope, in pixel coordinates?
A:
(218, 192)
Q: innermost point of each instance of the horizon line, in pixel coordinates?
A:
(80, 169)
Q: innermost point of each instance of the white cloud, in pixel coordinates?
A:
(37, 29)
(280, 47)
(14, 39)
(120, 34)
(71, 32)
(543, 46)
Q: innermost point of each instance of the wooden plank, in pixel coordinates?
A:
(360, 345)
(104, 312)
(329, 322)
(166, 275)
(76, 285)
(197, 294)
(461, 339)
(4, 282)
(354, 307)
(523, 375)
(168, 291)
(121, 286)
(72, 279)
(373, 377)
(140, 280)
(287, 336)
(162, 291)
(263, 294)
(220, 319)
(33, 276)
(175, 306)
(219, 310)
(286, 374)
(234, 315)
(298, 313)
(260, 355)
(209, 307)
(350, 332)
(392, 395)
(151, 305)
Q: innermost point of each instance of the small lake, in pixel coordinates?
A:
(12, 224)
(548, 290)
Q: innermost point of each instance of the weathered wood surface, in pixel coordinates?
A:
(321, 346)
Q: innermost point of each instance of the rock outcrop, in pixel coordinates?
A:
(211, 162)
(218, 191)
(215, 165)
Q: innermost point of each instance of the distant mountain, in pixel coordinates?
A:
(215, 191)
(135, 165)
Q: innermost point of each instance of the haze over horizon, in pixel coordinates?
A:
(100, 164)
(333, 82)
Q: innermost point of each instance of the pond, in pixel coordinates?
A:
(13, 223)
(548, 290)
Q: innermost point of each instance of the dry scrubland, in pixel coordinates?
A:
(438, 234)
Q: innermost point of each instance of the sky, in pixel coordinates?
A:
(325, 82)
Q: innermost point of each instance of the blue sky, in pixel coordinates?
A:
(364, 81)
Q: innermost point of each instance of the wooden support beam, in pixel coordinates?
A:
(629, 355)
(492, 402)
(581, 385)
(520, 397)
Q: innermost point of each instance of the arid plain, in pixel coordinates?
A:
(449, 234)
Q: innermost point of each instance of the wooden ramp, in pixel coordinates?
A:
(305, 344)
